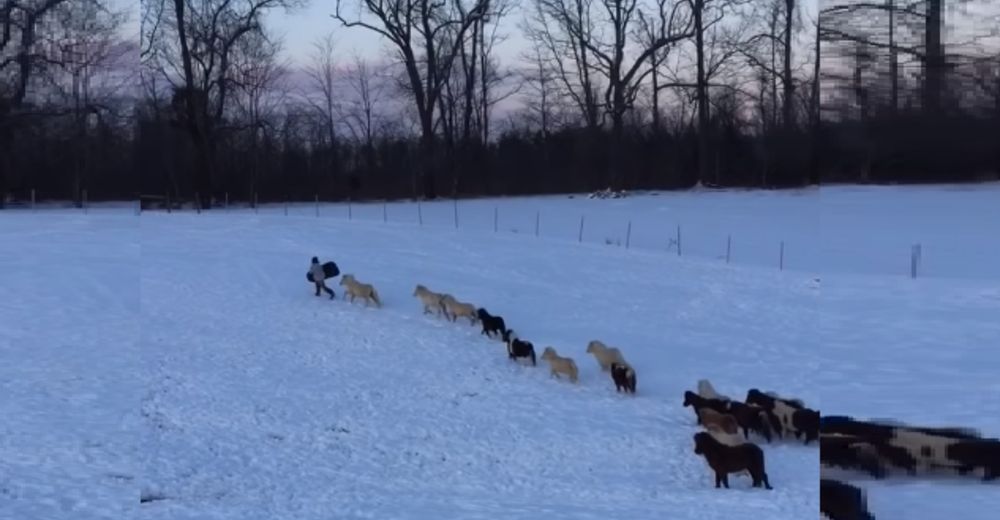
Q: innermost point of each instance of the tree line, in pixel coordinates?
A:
(204, 104)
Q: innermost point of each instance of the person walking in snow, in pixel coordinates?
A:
(319, 278)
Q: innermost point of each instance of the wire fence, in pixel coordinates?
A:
(525, 216)
(503, 217)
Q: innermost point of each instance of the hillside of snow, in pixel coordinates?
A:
(265, 401)
(183, 360)
(865, 230)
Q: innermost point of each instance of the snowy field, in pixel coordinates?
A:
(70, 365)
(840, 229)
(183, 358)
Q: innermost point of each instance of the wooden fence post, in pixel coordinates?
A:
(781, 257)
(729, 246)
(580, 238)
(678, 240)
(538, 216)
(628, 235)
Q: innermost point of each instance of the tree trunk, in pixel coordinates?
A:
(427, 157)
(893, 60)
(788, 109)
(774, 67)
(590, 110)
(815, 112)
(934, 61)
(656, 94)
(484, 88)
(702, 93)
(6, 136)
(470, 84)
(195, 107)
(617, 152)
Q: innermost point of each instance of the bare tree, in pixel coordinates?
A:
(567, 54)
(324, 85)
(486, 83)
(649, 33)
(20, 57)
(93, 70)
(363, 118)
(20, 54)
(843, 23)
(779, 19)
(707, 16)
(257, 79)
(207, 33)
(542, 94)
(427, 36)
(623, 67)
(324, 95)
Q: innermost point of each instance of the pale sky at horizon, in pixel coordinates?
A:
(304, 26)
(300, 28)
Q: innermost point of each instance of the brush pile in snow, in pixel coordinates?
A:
(608, 193)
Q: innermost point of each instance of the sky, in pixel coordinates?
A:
(303, 26)
(131, 28)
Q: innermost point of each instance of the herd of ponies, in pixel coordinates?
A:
(885, 448)
(872, 448)
(763, 414)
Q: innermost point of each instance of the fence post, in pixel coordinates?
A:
(915, 254)
(538, 215)
(678, 240)
(350, 210)
(138, 206)
(84, 201)
(455, 202)
(385, 212)
(580, 238)
(781, 257)
(496, 218)
(729, 246)
(420, 213)
(197, 203)
(286, 205)
(32, 199)
(628, 235)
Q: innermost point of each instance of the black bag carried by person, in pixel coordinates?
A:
(330, 270)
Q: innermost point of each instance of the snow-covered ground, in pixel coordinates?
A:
(70, 362)
(839, 229)
(184, 359)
